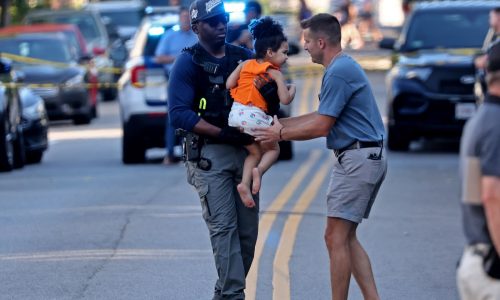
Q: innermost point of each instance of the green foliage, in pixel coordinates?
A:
(19, 8)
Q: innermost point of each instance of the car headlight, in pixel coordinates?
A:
(74, 81)
(35, 111)
(415, 73)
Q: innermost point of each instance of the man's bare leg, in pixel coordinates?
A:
(362, 269)
(337, 234)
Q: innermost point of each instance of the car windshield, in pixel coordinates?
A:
(124, 17)
(447, 29)
(73, 40)
(85, 23)
(46, 49)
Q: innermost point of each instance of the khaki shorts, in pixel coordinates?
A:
(354, 183)
(473, 282)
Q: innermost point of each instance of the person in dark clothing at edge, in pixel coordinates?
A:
(214, 152)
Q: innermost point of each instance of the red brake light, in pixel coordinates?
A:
(138, 76)
(98, 51)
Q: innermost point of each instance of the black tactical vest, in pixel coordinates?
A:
(212, 100)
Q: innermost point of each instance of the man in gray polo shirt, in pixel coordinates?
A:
(349, 119)
(480, 174)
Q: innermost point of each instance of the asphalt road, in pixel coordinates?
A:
(83, 226)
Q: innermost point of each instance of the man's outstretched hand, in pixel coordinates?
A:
(270, 134)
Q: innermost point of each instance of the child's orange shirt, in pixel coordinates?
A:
(245, 92)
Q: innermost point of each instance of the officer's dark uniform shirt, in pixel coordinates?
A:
(182, 90)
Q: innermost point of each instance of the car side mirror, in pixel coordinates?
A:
(387, 43)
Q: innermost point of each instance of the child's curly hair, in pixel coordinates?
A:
(267, 34)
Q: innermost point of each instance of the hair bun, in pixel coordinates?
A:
(263, 27)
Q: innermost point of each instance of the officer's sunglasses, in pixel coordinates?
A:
(214, 21)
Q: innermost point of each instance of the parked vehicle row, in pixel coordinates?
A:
(95, 35)
(430, 88)
(68, 93)
(59, 61)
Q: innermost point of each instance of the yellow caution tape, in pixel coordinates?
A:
(31, 60)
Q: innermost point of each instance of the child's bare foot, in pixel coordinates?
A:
(255, 180)
(245, 195)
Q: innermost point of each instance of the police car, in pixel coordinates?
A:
(143, 91)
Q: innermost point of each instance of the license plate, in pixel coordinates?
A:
(463, 111)
(156, 87)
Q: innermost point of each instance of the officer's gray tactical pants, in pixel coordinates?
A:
(232, 226)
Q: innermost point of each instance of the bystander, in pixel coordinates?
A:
(478, 275)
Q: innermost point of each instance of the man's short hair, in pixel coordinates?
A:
(325, 25)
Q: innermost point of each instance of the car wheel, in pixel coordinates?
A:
(6, 146)
(132, 150)
(34, 157)
(286, 150)
(396, 141)
(83, 119)
(19, 149)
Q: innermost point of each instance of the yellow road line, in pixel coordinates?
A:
(304, 97)
(281, 271)
(267, 220)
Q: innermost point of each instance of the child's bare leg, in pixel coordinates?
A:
(271, 151)
(251, 161)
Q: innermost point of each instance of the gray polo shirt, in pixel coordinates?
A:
(479, 155)
(346, 95)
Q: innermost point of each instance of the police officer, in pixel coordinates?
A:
(200, 105)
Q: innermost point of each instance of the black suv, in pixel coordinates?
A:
(430, 88)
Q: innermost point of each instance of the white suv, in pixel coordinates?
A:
(143, 92)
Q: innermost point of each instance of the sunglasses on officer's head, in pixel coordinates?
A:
(214, 21)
